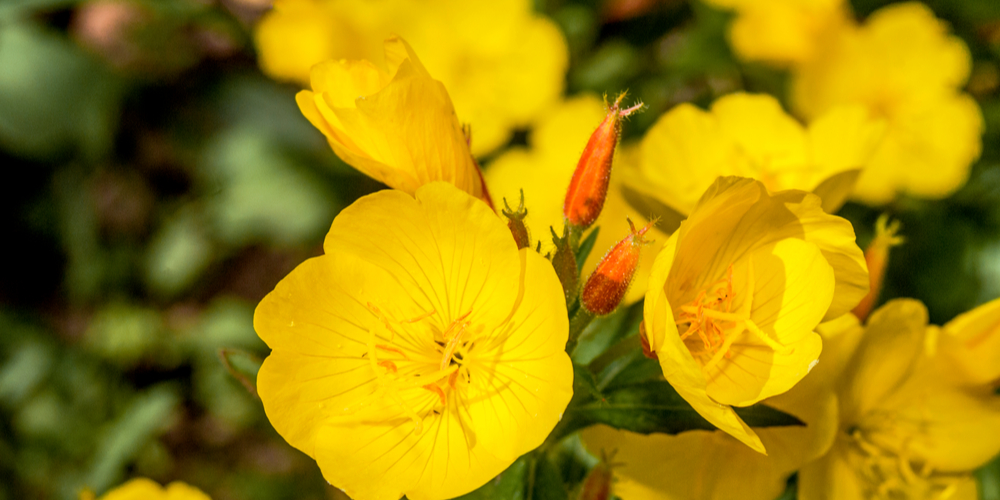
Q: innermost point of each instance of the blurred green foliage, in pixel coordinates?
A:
(160, 185)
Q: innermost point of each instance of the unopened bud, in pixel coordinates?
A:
(606, 287)
(647, 350)
(597, 485)
(515, 222)
(589, 186)
(877, 258)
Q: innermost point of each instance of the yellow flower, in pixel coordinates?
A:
(751, 136)
(544, 171)
(398, 127)
(904, 66)
(736, 292)
(782, 31)
(421, 354)
(145, 489)
(504, 65)
(712, 465)
(908, 429)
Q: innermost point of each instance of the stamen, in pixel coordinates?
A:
(437, 390)
(388, 365)
(392, 349)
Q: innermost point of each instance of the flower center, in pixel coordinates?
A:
(895, 475)
(403, 359)
(711, 320)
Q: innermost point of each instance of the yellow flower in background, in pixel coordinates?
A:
(712, 465)
(908, 428)
(146, 489)
(503, 64)
(749, 135)
(544, 170)
(782, 31)
(397, 127)
(970, 345)
(736, 293)
(421, 354)
(901, 65)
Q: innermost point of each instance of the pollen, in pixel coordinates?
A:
(712, 324)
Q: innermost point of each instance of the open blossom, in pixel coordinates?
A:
(146, 489)
(421, 354)
(911, 427)
(901, 65)
(751, 136)
(398, 127)
(503, 64)
(783, 31)
(736, 293)
(712, 465)
(544, 169)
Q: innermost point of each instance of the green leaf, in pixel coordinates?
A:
(146, 416)
(605, 332)
(988, 477)
(546, 483)
(631, 368)
(511, 483)
(655, 406)
(585, 247)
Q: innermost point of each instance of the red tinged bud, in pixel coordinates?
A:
(597, 485)
(606, 287)
(589, 187)
(515, 222)
(877, 258)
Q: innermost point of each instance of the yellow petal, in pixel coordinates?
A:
(972, 344)
(437, 242)
(831, 477)
(793, 287)
(898, 328)
(146, 489)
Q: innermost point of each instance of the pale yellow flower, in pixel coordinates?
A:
(421, 354)
(397, 127)
(146, 489)
(503, 64)
(783, 31)
(749, 135)
(544, 169)
(909, 427)
(736, 293)
(712, 465)
(901, 65)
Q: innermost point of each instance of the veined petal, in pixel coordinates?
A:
(451, 253)
(526, 392)
(831, 477)
(898, 328)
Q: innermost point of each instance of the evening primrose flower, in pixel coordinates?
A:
(545, 168)
(901, 65)
(421, 354)
(503, 64)
(782, 31)
(712, 465)
(736, 292)
(751, 136)
(908, 427)
(145, 489)
(397, 127)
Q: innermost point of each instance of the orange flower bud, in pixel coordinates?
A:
(597, 485)
(589, 187)
(877, 258)
(515, 222)
(606, 287)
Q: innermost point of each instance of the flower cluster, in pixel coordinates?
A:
(901, 65)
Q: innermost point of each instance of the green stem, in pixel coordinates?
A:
(577, 324)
